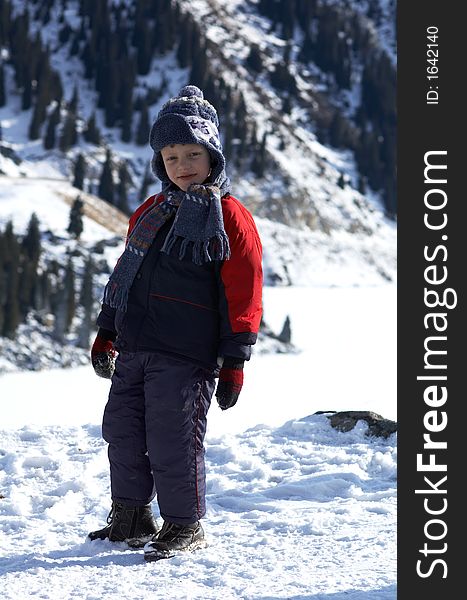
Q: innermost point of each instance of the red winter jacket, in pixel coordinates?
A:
(198, 312)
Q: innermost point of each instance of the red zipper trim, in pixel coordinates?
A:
(183, 301)
(197, 474)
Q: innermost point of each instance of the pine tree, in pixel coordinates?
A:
(91, 133)
(46, 15)
(69, 134)
(143, 47)
(106, 182)
(26, 94)
(307, 51)
(56, 87)
(19, 39)
(126, 100)
(75, 225)
(31, 244)
(5, 22)
(48, 81)
(37, 119)
(127, 122)
(89, 57)
(282, 79)
(145, 182)
(362, 184)
(286, 10)
(227, 143)
(55, 115)
(337, 130)
(287, 105)
(49, 139)
(142, 131)
(79, 172)
(164, 27)
(73, 104)
(2, 86)
(12, 314)
(74, 48)
(258, 165)
(86, 300)
(254, 60)
(59, 307)
(286, 333)
(110, 83)
(3, 284)
(122, 193)
(185, 44)
(44, 292)
(199, 72)
(70, 294)
(26, 286)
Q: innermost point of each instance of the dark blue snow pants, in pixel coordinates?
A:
(155, 423)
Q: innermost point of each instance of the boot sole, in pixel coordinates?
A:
(155, 555)
(139, 542)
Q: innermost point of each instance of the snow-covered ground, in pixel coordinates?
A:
(295, 509)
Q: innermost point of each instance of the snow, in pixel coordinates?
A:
(295, 508)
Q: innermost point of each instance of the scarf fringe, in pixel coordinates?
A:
(216, 248)
(183, 248)
(116, 296)
(169, 242)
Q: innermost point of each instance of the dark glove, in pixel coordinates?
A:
(103, 353)
(230, 382)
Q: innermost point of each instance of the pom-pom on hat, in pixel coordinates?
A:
(188, 119)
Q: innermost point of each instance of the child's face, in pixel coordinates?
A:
(186, 164)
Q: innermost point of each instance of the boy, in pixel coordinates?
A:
(181, 308)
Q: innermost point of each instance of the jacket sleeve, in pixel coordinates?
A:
(106, 317)
(240, 283)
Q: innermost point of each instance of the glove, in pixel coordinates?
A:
(230, 382)
(206, 190)
(103, 353)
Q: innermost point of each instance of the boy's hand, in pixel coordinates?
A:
(230, 382)
(103, 353)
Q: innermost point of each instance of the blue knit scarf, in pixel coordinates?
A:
(198, 224)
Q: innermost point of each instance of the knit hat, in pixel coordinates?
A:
(188, 119)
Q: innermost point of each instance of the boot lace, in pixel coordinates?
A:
(113, 513)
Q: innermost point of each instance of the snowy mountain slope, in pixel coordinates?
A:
(51, 200)
(304, 190)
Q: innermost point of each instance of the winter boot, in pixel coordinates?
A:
(173, 538)
(132, 524)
